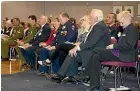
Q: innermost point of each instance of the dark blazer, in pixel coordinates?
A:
(113, 31)
(71, 35)
(98, 37)
(42, 36)
(127, 44)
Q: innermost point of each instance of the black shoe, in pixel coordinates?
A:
(57, 79)
(86, 79)
(40, 73)
(97, 89)
(93, 89)
(69, 80)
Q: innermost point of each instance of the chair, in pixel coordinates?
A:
(118, 65)
(12, 52)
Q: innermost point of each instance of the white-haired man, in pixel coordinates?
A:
(98, 36)
(28, 49)
(125, 50)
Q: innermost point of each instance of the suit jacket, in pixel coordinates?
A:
(98, 37)
(113, 31)
(70, 36)
(127, 44)
(41, 36)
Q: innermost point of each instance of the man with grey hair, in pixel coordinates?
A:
(98, 36)
(28, 49)
(125, 50)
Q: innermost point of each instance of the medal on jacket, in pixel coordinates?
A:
(73, 27)
(63, 27)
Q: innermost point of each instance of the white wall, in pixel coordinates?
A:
(23, 9)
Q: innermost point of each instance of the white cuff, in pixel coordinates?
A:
(78, 47)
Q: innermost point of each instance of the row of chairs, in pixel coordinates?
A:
(113, 63)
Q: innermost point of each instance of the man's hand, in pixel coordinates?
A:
(51, 48)
(21, 43)
(42, 44)
(77, 43)
(109, 46)
(73, 52)
(27, 45)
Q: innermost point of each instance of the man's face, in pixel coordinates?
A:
(4, 21)
(30, 21)
(62, 20)
(42, 20)
(8, 24)
(15, 22)
(92, 18)
(110, 19)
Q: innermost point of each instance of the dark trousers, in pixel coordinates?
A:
(61, 52)
(29, 55)
(93, 67)
(70, 66)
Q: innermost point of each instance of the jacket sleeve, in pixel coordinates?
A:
(129, 41)
(72, 33)
(44, 36)
(30, 35)
(96, 36)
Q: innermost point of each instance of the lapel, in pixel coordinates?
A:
(92, 30)
(124, 32)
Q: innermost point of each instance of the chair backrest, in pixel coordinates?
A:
(113, 41)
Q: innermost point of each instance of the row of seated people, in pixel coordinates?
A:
(69, 45)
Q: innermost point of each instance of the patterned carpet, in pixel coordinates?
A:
(28, 81)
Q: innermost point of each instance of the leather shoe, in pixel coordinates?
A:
(97, 89)
(56, 79)
(69, 80)
(93, 89)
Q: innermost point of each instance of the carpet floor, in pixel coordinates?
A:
(28, 81)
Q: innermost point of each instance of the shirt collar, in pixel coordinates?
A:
(42, 25)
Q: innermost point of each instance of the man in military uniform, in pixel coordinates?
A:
(27, 50)
(67, 33)
(32, 31)
(17, 33)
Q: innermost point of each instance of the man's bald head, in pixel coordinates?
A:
(44, 19)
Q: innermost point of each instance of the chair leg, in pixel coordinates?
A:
(10, 67)
(138, 78)
(115, 71)
(121, 76)
(101, 79)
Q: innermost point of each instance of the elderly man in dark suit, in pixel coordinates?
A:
(98, 36)
(41, 36)
(67, 33)
(125, 50)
